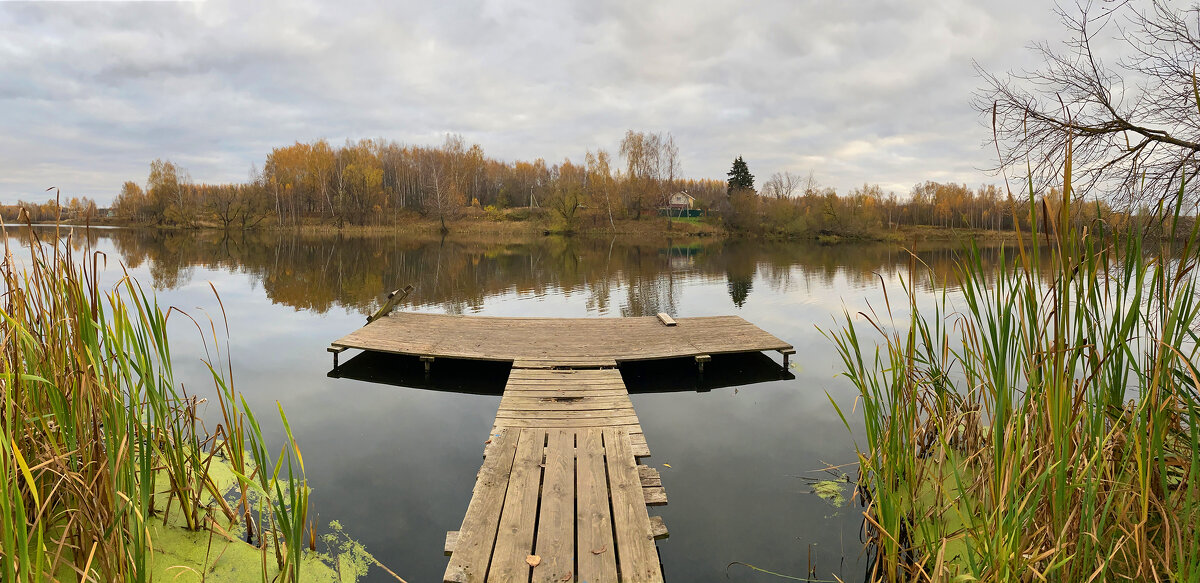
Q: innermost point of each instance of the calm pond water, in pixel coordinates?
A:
(393, 457)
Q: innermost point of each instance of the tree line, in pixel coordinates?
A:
(790, 205)
(75, 208)
(380, 182)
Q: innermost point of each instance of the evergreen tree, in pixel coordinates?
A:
(740, 177)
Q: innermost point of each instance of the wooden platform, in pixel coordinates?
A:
(558, 341)
(561, 495)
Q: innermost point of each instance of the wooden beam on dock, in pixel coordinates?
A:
(393, 298)
(666, 319)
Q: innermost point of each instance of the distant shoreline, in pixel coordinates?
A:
(648, 227)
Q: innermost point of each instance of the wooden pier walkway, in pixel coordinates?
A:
(561, 495)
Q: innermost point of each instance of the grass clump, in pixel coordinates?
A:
(99, 447)
(1047, 429)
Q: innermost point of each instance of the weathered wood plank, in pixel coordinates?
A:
(626, 422)
(477, 535)
(654, 495)
(563, 402)
(514, 537)
(638, 441)
(636, 553)
(545, 394)
(597, 556)
(666, 319)
(658, 528)
(649, 476)
(611, 413)
(556, 520)
(451, 541)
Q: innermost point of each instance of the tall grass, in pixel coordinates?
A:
(1044, 425)
(96, 436)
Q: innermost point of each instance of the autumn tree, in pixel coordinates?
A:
(779, 185)
(130, 203)
(566, 197)
(652, 165)
(170, 194)
(600, 183)
(442, 198)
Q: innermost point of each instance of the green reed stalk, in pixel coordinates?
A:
(91, 418)
(1047, 427)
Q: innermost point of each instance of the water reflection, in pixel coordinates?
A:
(616, 277)
(396, 464)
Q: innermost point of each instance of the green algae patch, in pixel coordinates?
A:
(831, 491)
(219, 552)
(185, 556)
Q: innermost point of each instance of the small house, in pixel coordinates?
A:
(681, 201)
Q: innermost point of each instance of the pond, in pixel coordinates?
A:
(394, 461)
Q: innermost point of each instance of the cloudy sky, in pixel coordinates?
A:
(864, 91)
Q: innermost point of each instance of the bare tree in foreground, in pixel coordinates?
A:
(1133, 126)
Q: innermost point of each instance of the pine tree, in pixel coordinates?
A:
(740, 177)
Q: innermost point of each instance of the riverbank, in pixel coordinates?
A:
(518, 223)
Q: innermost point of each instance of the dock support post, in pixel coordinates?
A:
(700, 360)
(336, 350)
(786, 352)
(428, 360)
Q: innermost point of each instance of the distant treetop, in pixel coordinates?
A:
(740, 176)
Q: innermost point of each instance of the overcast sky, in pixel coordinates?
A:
(861, 91)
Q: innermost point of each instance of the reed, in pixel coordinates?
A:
(96, 436)
(1044, 425)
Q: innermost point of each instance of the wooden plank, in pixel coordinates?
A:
(477, 535)
(666, 319)
(543, 394)
(564, 361)
(627, 422)
(638, 441)
(623, 414)
(564, 402)
(556, 520)
(612, 412)
(658, 528)
(597, 555)
(655, 496)
(514, 537)
(636, 553)
(451, 541)
(649, 476)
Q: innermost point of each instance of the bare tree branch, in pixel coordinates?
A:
(1134, 126)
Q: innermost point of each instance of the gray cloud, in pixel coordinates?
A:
(875, 91)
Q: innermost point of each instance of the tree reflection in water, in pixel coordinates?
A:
(623, 277)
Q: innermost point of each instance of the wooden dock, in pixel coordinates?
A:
(561, 495)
